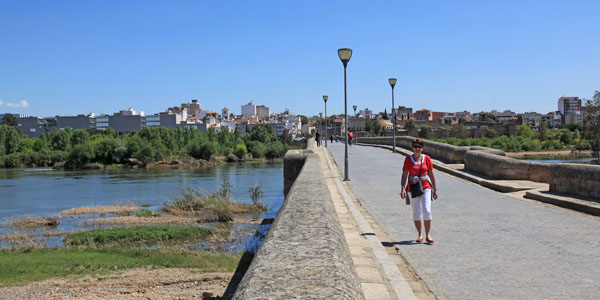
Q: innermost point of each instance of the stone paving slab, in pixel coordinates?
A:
(488, 245)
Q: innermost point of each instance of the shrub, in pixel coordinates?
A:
(583, 145)
(255, 194)
(276, 149)
(426, 132)
(191, 201)
(80, 155)
(257, 149)
(240, 150)
(525, 131)
(145, 153)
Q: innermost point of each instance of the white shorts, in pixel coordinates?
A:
(422, 204)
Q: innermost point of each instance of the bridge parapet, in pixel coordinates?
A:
(305, 254)
(570, 179)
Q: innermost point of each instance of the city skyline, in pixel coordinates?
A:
(76, 58)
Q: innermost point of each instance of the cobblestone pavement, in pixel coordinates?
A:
(487, 245)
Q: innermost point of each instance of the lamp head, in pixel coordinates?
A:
(321, 114)
(345, 54)
(392, 82)
(354, 106)
(325, 97)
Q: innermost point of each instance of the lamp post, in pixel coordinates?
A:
(326, 136)
(392, 82)
(345, 54)
(355, 116)
(321, 122)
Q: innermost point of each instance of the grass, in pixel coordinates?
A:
(193, 201)
(219, 203)
(22, 266)
(137, 234)
(144, 213)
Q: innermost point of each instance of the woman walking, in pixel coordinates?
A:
(418, 167)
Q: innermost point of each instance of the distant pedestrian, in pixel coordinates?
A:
(318, 139)
(337, 138)
(331, 139)
(418, 168)
(350, 137)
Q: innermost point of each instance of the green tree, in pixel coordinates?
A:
(80, 155)
(426, 132)
(10, 120)
(59, 139)
(524, 131)
(262, 133)
(79, 136)
(459, 131)
(9, 139)
(240, 150)
(542, 133)
(304, 120)
(257, 149)
(110, 150)
(491, 133)
(276, 149)
(410, 125)
(591, 125)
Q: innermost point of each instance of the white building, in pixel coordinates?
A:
(532, 119)
(225, 113)
(129, 112)
(367, 113)
(263, 111)
(567, 105)
(249, 109)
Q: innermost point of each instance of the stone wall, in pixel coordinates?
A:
(576, 179)
(505, 168)
(305, 254)
(441, 151)
(570, 179)
(292, 165)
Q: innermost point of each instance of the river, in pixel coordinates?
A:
(26, 192)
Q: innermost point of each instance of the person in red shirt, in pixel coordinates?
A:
(419, 167)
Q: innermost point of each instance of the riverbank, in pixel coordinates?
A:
(117, 273)
(136, 284)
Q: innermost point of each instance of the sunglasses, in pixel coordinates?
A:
(417, 146)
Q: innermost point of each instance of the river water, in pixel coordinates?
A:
(26, 192)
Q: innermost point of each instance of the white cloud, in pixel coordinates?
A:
(1, 102)
(21, 104)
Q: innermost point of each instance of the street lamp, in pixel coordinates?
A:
(393, 83)
(345, 54)
(325, 100)
(355, 116)
(321, 129)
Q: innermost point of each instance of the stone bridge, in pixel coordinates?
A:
(335, 239)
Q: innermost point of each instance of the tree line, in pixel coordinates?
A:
(77, 148)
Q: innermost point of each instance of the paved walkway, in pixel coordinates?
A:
(488, 245)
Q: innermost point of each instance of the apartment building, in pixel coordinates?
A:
(567, 105)
(423, 115)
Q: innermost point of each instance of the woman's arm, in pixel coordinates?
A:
(432, 177)
(403, 182)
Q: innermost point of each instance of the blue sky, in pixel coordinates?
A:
(73, 57)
